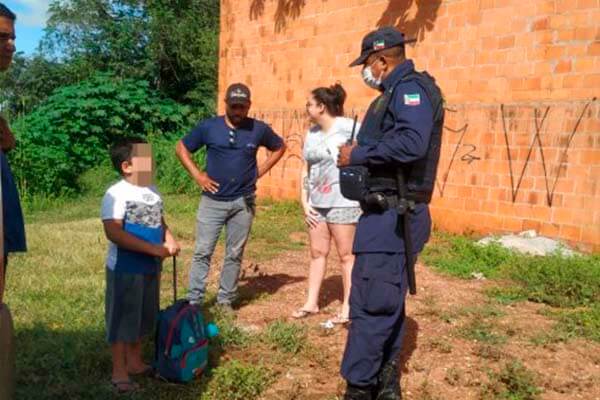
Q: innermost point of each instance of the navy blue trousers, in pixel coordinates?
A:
(377, 314)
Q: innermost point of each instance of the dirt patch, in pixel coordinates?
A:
(457, 338)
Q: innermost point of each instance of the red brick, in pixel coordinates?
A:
(563, 66)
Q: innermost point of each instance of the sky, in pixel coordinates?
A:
(31, 19)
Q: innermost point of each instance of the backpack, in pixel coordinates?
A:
(181, 341)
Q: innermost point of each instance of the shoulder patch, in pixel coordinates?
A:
(412, 99)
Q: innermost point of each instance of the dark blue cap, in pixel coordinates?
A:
(380, 39)
(237, 93)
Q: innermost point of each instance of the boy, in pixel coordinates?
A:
(132, 213)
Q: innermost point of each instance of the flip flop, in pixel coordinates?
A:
(122, 387)
(302, 313)
(339, 320)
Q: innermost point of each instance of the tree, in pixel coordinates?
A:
(171, 44)
(29, 81)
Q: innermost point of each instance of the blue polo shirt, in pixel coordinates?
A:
(231, 153)
(14, 226)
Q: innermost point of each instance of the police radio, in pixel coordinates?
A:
(353, 179)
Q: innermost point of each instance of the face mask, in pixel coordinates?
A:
(369, 79)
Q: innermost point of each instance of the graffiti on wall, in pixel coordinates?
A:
(540, 118)
(292, 125)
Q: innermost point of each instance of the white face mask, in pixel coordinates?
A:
(369, 79)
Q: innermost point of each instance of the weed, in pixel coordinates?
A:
(461, 256)
(238, 381)
(582, 322)
(288, 337)
(230, 333)
(489, 352)
(481, 331)
(559, 281)
(441, 345)
(453, 376)
(506, 295)
(512, 382)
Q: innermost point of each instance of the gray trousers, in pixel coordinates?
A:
(236, 215)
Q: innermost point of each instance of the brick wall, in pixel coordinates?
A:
(521, 146)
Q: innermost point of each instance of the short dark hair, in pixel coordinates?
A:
(332, 98)
(6, 13)
(393, 52)
(122, 151)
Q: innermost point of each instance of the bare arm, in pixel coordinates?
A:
(7, 139)
(170, 241)
(113, 228)
(201, 177)
(271, 160)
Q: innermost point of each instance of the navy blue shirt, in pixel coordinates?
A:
(231, 153)
(406, 128)
(14, 226)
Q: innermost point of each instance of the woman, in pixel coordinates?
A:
(327, 213)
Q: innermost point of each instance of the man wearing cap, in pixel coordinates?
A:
(395, 159)
(228, 187)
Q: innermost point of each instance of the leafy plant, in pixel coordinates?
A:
(71, 131)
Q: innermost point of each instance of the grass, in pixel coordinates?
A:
(482, 331)
(285, 336)
(238, 381)
(56, 294)
(571, 283)
(513, 382)
(581, 322)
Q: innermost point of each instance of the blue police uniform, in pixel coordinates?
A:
(379, 278)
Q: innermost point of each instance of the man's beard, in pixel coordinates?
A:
(236, 119)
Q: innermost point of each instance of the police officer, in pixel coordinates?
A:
(391, 171)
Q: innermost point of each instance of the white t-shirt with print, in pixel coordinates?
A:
(141, 209)
(320, 152)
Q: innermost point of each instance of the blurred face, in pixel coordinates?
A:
(141, 168)
(237, 113)
(314, 109)
(7, 42)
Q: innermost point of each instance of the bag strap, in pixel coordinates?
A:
(174, 279)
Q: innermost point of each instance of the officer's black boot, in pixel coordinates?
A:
(388, 382)
(358, 393)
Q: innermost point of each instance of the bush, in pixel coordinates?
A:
(72, 130)
(171, 176)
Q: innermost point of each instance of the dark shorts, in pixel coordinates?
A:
(131, 306)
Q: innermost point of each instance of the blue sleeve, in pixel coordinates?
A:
(270, 139)
(409, 139)
(196, 138)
